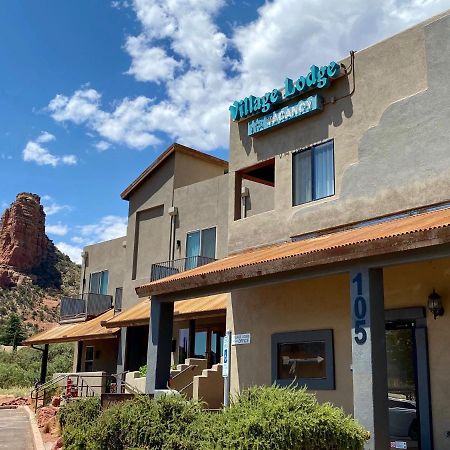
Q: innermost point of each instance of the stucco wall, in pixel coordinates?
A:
(108, 255)
(203, 205)
(324, 303)
(105, 355)
(190, 169)
(154, 192)
(391, 141)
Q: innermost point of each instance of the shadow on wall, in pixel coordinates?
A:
(301, 132)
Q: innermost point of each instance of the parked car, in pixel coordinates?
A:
(403, 418)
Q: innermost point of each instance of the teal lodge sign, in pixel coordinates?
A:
(317, 78)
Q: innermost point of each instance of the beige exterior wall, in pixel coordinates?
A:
(390, 141)
(190, 169)
(203, 205)
(324, 303)
(108, 255)
(105, 355)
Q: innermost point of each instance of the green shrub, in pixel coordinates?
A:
(266, 418)
(261, 418)
(79, 413)
(143, 370)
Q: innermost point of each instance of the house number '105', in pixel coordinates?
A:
(359, 312)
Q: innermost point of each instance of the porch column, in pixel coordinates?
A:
(121, 357)
(159, 345)
(369, 355)
(44, 363)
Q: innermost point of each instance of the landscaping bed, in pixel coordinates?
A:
(261, 418)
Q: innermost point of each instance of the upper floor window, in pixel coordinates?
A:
(200, 243)
(98, 283)
(313, 173)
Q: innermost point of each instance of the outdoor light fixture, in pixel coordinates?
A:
(435, 304)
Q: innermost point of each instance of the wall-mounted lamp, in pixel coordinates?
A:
(435, 304)
(178, 244)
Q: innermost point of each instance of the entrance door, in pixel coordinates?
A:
(408, 388)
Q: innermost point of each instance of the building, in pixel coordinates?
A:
(337, 254)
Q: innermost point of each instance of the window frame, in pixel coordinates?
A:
(89, 361)
(201, 230)
(311, 148)
(294, 337)
(100, 284)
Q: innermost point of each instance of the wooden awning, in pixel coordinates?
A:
(81, 331)
(139, 314)
(385, 236)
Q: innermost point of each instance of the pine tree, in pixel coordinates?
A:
(13, 332)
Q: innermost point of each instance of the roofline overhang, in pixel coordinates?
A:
(176, 318)
(389, 250)
(72, 339)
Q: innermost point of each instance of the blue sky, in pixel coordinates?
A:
(91, 91)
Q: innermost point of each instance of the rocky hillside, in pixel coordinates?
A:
(33, 272)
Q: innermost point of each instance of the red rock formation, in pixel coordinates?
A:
(23, 243)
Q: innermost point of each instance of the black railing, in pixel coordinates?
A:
(83, 306)
(167, 268)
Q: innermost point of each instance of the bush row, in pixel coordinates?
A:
(261, 418)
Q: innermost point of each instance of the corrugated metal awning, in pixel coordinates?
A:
(384, 237)
(81, 331)
(139, 314)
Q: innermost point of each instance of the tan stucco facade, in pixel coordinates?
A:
(324, 303)
(382, 135)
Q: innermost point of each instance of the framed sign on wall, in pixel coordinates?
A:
(303, 358)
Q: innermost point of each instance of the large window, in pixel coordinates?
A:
(303, 358)
(313, 173)
(200, 243)
(98, 283)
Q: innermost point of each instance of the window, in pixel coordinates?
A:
(201, 243)
(303, 358)
(89, 359)
(98, 283)
(313, 173)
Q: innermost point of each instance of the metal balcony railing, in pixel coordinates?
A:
(167, 268)
(81, 307)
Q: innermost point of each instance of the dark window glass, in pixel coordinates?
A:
(301, 360)
(99, 283)
(313, 173)
(209, 243)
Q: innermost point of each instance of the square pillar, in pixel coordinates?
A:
(121, 355)
(44, 364)
(159, 345)
(369, 364)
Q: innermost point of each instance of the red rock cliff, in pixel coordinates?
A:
(23, 243)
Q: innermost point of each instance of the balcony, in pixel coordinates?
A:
(78, 309)
(167, 268)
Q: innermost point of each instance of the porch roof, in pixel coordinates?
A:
(384, 236)
(139, 314)
(82, 331)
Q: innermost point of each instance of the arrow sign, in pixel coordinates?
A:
(294, 361)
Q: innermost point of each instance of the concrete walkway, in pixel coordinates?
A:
(15, 430)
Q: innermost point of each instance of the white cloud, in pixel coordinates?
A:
(35, 152)
(202, 71)
(72, 251)
(45, 137)
(58, 229)
(102, 146)
(51, 207)
(126, 124)
(109, 227)
(149, 63)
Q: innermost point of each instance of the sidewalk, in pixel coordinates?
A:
(15, 430)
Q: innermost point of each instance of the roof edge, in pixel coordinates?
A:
(161, 158)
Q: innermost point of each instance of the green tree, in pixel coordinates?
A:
(13, 332)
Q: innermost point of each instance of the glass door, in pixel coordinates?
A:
(404, 419)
